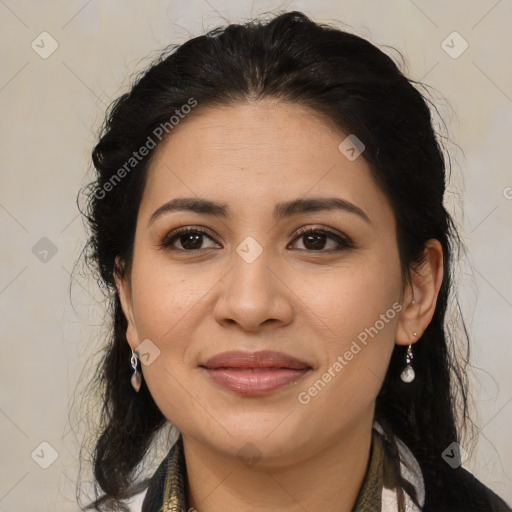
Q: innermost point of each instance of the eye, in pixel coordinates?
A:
(190, 239)
(315, 239)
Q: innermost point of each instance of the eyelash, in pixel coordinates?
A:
(343, 241)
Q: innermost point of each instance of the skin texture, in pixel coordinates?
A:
(311, 304)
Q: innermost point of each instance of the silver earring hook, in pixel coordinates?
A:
(135, 379)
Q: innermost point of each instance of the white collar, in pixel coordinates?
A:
(413, 475)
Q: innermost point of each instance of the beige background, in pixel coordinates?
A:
(50, 110)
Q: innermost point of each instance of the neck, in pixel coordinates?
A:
(328, 480)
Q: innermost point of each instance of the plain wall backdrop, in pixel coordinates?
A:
(52, 102)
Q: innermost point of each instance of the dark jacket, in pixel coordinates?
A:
(464, 493)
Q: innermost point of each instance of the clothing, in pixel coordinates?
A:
(378, 493)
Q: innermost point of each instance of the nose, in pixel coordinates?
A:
(254, 295)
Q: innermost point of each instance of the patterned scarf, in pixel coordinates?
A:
(378, 493)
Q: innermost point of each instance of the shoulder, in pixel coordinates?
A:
(463, 492)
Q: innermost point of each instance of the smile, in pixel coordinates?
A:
(254, 373)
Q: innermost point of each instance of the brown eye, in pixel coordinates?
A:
(315, 239)
(190, 239)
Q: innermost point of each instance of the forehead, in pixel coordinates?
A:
(256, 154)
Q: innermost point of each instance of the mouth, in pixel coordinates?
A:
(254, 373)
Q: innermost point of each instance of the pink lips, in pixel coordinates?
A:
(254, 373)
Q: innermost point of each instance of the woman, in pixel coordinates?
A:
(268, 213)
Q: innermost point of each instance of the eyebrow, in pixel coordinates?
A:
(281, 210)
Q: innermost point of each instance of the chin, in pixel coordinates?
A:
(253, 438)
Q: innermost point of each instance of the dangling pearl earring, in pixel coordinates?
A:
(408, 374)
(135, 380)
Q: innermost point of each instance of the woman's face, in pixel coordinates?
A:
(252, 282)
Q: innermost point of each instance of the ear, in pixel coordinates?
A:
(421, 297)
(123, 286)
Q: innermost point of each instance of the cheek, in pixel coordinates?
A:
(169, 303)
(163, 305)
(166, 297)
(360, 305)
(353, 298)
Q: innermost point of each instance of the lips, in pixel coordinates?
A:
(261, 359)
(254, 373)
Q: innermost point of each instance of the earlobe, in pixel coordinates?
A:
(420, 300)
(124, 292)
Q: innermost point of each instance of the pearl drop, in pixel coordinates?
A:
(136, 381)
(407, 374)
